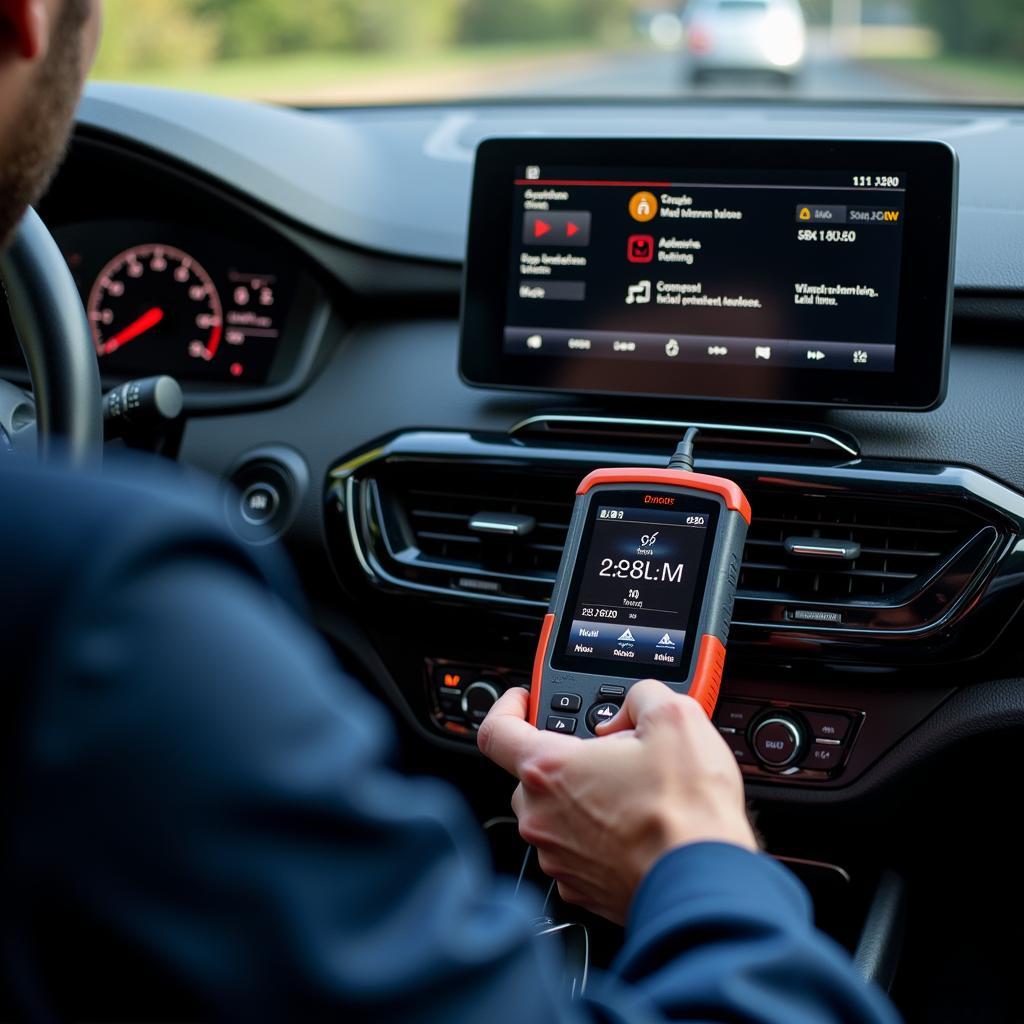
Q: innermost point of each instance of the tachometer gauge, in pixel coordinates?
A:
(159, 297)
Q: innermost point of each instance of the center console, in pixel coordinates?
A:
(858, 577)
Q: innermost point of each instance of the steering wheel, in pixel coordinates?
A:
(55, 338)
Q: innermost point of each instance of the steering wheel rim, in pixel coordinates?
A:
(54, 334)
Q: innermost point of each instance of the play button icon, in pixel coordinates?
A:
(556, 227)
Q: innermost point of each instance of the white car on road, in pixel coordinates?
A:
(743, 36)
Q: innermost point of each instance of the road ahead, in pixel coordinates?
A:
(659, 74)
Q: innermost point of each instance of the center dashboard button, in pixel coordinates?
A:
(601, 713)
(777, 741)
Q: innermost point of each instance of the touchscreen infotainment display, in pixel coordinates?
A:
(773, 271)
(632, 604)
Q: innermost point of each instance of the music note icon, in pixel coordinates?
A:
(638, 293)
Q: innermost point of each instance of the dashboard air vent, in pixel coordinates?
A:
(441, 509)
(495, 530)
(897, 546)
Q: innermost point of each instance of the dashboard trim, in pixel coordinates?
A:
(846, 445)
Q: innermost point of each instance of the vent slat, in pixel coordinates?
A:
(856, 573)
(447, 538)
(819, 524)
(932, 553)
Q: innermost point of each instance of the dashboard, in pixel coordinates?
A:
(301, 274)
(307, 296)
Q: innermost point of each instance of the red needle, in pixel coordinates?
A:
(148, 320)
(214, 343)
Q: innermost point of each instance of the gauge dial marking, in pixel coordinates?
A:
(161, 292)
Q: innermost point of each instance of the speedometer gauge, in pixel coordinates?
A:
(159, 297)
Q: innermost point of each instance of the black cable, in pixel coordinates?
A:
(522, 870)
(683, 457)
(547, 899)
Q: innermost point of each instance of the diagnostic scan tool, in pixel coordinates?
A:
(645, 589)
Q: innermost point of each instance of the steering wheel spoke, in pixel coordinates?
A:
(50, 322)
(18, 432)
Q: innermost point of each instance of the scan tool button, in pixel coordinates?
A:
(560, 723)
(567, 702)
(601, 713)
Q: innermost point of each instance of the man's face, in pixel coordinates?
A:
(40, 100)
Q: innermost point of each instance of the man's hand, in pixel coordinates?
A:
(600, 812)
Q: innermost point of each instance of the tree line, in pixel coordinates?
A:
(142, 34)
(984, 28)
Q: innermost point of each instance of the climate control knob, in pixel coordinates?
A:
(777, 741)
(477, 699)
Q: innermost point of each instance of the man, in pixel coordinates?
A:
(202, 822)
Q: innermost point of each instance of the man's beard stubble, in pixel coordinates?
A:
(34, 148)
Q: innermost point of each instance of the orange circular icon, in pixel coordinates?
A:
(643, 206)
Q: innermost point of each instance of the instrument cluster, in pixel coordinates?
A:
(163, 298)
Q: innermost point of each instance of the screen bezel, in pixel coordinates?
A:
(918, 382)
(630, 498)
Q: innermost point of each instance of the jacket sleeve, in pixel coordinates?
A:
(209, 828)
(717, 933)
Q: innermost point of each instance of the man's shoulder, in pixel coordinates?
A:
(68, 533)
(83, 497)
(62, 520)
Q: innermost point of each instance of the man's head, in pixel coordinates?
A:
(46, 48)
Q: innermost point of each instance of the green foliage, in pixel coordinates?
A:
(398, 24)
(528, 20)
(989, 28)
(147, 34)
(154, 34)
(258, 27)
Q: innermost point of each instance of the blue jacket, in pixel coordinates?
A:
(203, 822)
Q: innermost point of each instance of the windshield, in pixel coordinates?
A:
(340, 52)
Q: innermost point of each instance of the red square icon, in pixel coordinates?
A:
(640, 248)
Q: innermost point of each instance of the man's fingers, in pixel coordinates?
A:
(505, 736)
(517, 801)
(620, 723)
(643, 697)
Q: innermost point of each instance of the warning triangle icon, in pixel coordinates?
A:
(627, 636)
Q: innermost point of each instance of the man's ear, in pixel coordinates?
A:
(25, 28)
